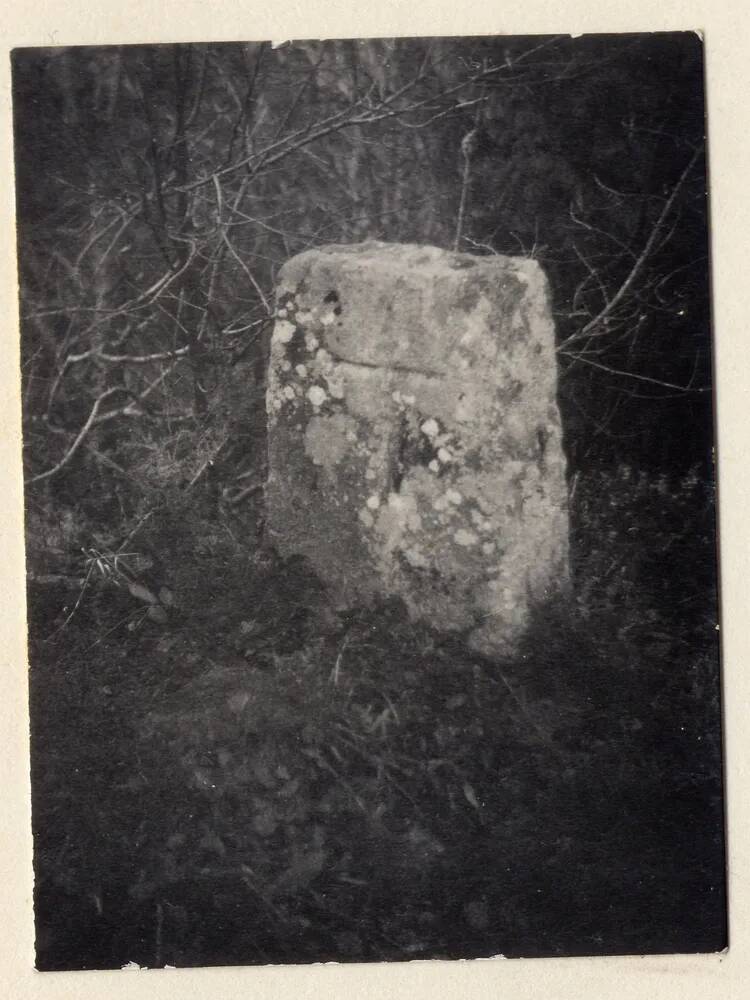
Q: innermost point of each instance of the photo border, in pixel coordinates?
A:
(727, 39)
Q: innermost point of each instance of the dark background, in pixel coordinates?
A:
(581, 143)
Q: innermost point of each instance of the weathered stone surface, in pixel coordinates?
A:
(414, 436)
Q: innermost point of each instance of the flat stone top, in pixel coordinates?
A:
(416, 307)
(416, 255)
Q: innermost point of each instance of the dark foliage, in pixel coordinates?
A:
(258, 781)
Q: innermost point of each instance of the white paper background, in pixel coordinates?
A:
(725, 29)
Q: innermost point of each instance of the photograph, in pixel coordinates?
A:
(368, 414)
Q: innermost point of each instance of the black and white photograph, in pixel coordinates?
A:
(370, 486)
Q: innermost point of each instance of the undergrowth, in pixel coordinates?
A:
(258, 780)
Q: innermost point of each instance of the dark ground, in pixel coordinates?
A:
(255, 781)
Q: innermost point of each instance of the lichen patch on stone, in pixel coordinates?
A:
(283, 331)
(415, 557)
(326, 441)
(317, 395)
(335, 386)
(465, 537)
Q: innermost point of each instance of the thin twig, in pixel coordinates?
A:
(337, 665)
(80, 438)
(640, 378)
(141, 359)
(648, 247)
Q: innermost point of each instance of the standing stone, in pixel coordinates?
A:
(414, 436)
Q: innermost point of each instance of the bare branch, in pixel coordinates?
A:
(635, 271)
(142, 359)
(345, 118)
(79, 439)
(639, 378)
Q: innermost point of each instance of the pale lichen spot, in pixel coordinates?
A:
(323, 357)
(277, 404)
(488, 548)
(304, 317)
(453, 496)
(301, 371)
(481, 522)
(396, 396)
(311, 342)
(316, 395)
(328, 318)
(326, 440)
(486, 507)
(286, 365)
(415, 558)
(283, 332)
(335, 387)
(409, 400)
(440, 503)
(465, 537)
(430, 427)
(281, 313)
(351, 436)
(366, 518)
(289, 392)
(463, 410)
(434, 465)
(373, 502)
(399, 514)
(444, 455)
